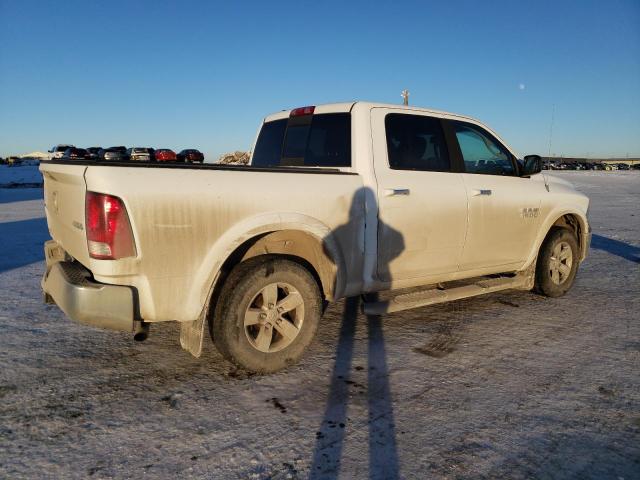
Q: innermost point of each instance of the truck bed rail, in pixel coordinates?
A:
(200, 166)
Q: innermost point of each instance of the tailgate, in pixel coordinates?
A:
(64, 192)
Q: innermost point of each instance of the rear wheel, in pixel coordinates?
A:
(557, 263)
(267, 314)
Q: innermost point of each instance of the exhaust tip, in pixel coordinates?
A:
(140, 331)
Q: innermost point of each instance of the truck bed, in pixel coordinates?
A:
(187, 218)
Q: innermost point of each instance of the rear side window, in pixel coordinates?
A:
(416, 142)
(481, 152)
(322, 140)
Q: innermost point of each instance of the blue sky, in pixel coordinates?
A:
(201, 74)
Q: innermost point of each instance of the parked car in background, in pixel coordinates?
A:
(165, 155)
(141, 154)
(190, 155)
(58, 150)
(611, 166)
(554, 165)
(596, 166)
(92, 153)
(113, 154)
(75, 153)
(635, 166)
(623, 166)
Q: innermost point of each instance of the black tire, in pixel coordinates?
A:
(241, 290)
(556, 284)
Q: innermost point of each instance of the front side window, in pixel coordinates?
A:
(416, 142)
(323, 141)
(481, 153)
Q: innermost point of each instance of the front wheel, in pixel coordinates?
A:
(557, 263)
(267, 314)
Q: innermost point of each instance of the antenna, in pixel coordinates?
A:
(405, 97)
(553, 114)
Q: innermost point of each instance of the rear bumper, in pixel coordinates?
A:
(70, 286)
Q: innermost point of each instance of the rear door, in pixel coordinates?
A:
(422, 198)
(64, 193)
(503, 207)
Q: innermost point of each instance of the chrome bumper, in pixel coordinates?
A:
(70, 287)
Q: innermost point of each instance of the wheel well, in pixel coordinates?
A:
(570, 222)
(295, 245)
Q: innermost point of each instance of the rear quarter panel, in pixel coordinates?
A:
(187, 221)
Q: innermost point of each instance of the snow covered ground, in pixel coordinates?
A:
(511, 385)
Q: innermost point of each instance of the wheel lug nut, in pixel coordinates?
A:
(271, 305)
(263, 316)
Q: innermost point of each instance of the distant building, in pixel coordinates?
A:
(36, 156)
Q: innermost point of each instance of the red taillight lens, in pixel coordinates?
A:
(109, 234)
(297, 112)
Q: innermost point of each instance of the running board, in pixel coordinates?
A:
(435, 295)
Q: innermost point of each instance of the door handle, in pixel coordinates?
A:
(390, 192)
(481, 192)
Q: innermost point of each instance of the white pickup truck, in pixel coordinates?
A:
(338, 200)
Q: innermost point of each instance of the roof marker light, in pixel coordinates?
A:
(300, 111)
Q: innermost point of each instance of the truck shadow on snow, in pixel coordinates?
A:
(330, 438)
(22, 242)
(10, 195)
(616, 247)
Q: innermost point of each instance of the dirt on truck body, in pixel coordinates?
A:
(339, 200)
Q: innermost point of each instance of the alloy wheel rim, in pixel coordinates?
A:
(560, 263)
(274, 317)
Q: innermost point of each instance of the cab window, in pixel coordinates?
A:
(322, 140)
(481, 153)
(416, 142)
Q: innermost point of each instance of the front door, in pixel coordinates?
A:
(422, 202)
(503, 207)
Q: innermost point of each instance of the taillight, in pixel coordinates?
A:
(109, 234)
(298, 112)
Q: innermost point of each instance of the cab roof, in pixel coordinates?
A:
(348, 106)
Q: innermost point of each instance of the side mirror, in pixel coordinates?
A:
(532, 165)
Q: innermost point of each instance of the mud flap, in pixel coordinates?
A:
(192, 334)
(529, 275)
